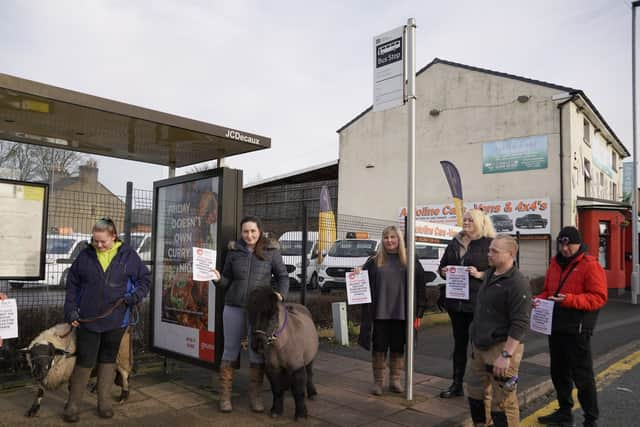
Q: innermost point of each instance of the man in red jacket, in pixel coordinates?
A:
(577, 284)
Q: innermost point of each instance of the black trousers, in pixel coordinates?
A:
(572, 363)
(97, 346)
(460, 322)
(389, 335)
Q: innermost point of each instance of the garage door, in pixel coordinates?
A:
(534, 257)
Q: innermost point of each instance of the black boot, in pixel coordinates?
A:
(499, 419)
(560, 418)
(476, 407)
(454, 390)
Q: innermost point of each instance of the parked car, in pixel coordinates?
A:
(502, 222)
(343, 256)
(531, 221)
(291, 249)
(141, 242)
(429, 255)
(61, 251)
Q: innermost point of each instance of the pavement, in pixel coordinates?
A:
(188, 395)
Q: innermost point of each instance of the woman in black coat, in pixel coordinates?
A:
(387, 313)
(469, 248)
(253, 261)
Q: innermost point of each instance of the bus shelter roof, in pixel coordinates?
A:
(36, 113)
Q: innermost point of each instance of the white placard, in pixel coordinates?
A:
(388, 72)
(542, 316)
(358, 290)
(457, 282)
(204, 261)
(8, 319)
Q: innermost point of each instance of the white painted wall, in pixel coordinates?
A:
(475, 107)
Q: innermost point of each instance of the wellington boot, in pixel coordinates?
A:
(256, 377)
(226, 382)
(378, 363)
(106, 375)
(396, 364)
(78, 382)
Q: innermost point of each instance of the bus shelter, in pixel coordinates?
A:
(193, 211)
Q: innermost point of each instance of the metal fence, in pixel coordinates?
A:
(72, 214)
(70, 218)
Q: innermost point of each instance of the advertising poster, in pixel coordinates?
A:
(515, 154)
(184, 308)
(22, 229)
(528, 216)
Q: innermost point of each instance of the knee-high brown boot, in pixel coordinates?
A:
(256, 377)
(226, 382)
(378, 363)
(78, 383)
(396, 364)
(106, 375)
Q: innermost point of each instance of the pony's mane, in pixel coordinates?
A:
(262, 300)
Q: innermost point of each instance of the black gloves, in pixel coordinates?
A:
(73, 316)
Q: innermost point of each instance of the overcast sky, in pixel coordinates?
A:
(296, 71)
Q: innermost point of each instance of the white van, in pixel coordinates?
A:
(141, 243)
(343, 256)
(60, 253)
(431, 241)
(429, 256)
(291, 248)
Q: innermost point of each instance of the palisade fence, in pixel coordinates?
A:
(70, 219)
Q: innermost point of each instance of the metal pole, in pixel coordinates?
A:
(303, 259)
(634, 208)
(411, 206)
(128, 209)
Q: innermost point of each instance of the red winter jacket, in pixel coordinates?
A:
(585, 288)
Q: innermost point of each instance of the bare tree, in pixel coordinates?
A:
(34, 162)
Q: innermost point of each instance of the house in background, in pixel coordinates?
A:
(75, 203)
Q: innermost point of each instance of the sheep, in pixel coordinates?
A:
(51, 359)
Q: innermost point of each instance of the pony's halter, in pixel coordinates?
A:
(277, 332)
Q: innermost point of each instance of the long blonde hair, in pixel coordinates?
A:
(381, 255)
(482, 222)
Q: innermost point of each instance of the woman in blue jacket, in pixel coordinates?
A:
(105, 281)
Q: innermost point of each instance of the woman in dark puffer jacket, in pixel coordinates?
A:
(469, 248)
(250, 263)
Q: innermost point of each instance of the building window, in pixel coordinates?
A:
(614, 191)
(603, 244)
(586, 137)
(614, 161)
(587, 178)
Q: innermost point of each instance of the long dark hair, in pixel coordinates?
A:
(262, 241)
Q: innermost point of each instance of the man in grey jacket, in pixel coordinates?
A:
(500, 321)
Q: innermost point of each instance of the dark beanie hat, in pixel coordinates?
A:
(571, 233)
